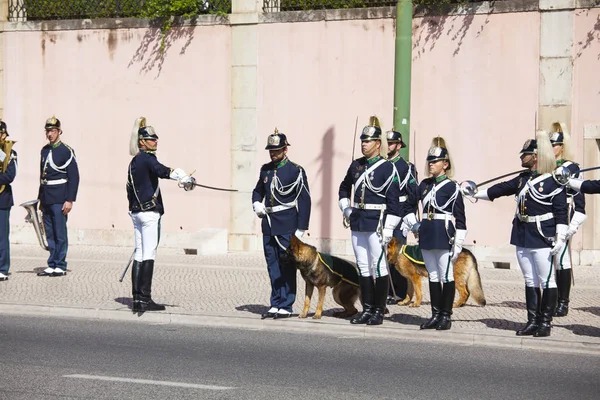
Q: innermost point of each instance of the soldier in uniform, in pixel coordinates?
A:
(283, 187)
(441, 240)
(407, 179)
(146, 209)
(59, 181)
(372, 219)
(561, 144)
(539, 229)
(8, 163)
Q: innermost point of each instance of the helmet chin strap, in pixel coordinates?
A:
(148, 146)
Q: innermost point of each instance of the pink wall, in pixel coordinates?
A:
(97, 82)
(477, 88)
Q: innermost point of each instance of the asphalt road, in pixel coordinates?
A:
(53, 358)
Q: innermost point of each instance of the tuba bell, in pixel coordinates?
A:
(32, 217)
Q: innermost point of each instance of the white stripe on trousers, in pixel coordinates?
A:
(369, 254)
(536, 265)
(146, 225)
(438, 265)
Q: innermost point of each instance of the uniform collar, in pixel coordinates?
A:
(55, 145)
(282, 162)
(560, 162)
(395, 159)
(374, 159)
(440, 178)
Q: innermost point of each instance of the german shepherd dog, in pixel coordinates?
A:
(466, 276)
(322, 271)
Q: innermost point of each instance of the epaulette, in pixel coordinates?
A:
(265, 166)
(296, 165)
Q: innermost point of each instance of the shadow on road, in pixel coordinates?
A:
(503, 324)
(582, 330)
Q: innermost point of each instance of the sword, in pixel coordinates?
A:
(562, 174)
(187, 186)
(469, 188)
(127, 267)
(346, 221)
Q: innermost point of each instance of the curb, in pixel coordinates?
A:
(309, 326)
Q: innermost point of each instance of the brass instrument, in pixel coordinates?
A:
(6, 147)
(32, 217)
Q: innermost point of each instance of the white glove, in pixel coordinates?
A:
(299, 233)
(577, 220)
(482, 195)
(404, 228)
(259, 209)
(561, 239)
(187, 183)
(409, 220)
(347, 212)
(391, 222)
(459, 239)
(344, 203)
(177, 174)
(575, 184)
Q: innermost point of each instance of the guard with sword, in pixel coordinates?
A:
(372, 219)
(146, 209)
(408, 184)
(561, 144)
(282, 200)
(539, 229)
(442, 231)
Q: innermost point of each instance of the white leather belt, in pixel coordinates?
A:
(275, 209)
(53, 181)
(535, 218)
(371, 206)
(569, 199)
(442, 216)
(402, 199)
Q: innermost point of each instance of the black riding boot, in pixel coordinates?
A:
(367, 296)
(532, 300)
(549, 297)
(563, 281)
(448, 291)
(381, 287)
(435, 292)
(146, 302)
(135, 285)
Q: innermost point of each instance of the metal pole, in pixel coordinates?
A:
(402, 72)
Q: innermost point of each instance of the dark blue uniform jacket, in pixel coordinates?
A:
(577, 199)
(408, 182)
(527, 234)
(363, 220)
(6, 197)
(58, 162)
(289, 220)
(437, 234)
(142, 182)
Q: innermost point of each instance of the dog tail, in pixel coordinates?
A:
(474, 280)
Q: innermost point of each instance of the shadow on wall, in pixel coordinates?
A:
(437, 22)
(592, 36)
(325, 160)
(155, 45)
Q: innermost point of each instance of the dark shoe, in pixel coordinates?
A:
(270, 313)
(543, 330)
(445, 323)
(432, 322)
(562, 309)
(150, 306)
(364, 316)
(391, 301)
(563, 283)
(376, 317)
(135, 307)
(282, 315)
(533, 297)
(529, 329)
(59, 272)
(47, 272)
(3, 277)
(435, 291)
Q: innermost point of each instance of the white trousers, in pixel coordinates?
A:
(563, 260)
(438, 265)
(370, 257)
(537, 268)
(146, 225)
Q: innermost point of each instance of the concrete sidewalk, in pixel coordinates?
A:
(233, 290)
